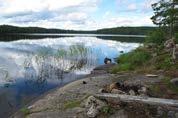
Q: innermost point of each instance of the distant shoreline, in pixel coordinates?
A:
(78, 34)
(140, 30)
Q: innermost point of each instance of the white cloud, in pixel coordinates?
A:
(132, 6)
(72, 14)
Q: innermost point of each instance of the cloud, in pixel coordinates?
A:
(74, 14)
(134, 6)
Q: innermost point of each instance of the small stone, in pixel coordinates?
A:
(84, 82)
(107, 61)
(116, 91)
(142, 90)
(30, 107)
(131, 92)
(121, 51)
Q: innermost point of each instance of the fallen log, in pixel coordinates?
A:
(139, 99)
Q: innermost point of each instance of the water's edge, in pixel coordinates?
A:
(92, 74)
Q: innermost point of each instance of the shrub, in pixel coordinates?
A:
(107, 110)
(164, 62)
(25, 111)
(158, 37)
(131, 60)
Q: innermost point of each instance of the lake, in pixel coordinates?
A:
(34, 64)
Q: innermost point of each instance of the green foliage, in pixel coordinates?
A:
(107, 110)
(164, 62)
(4, 29)
(156, 37)
(132, 60)
(72, 104)
(25, 111)
(127, 30)
(165, 14)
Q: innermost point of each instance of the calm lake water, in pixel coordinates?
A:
(28, 68)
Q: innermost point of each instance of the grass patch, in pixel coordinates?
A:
(164, 62)
(25, 111)
(72, 104)
(107, 110)
(132, 60)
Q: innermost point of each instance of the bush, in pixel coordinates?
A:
(25, 111)
(166, 64)
(131, 60)
(157, 37)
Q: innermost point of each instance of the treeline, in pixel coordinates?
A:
(127, 30)
(4, 29)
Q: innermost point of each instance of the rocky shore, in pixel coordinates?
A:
(77, 100)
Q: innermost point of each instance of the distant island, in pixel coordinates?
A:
(8, 29)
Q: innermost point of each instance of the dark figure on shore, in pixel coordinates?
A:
(107, 60)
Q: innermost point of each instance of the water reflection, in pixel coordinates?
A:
(29, 68)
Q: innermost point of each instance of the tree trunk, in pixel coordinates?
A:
(145, 100)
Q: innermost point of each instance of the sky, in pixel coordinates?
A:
(76, 14)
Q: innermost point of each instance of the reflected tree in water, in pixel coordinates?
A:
(51, 63)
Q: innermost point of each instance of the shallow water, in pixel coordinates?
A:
(28, 68)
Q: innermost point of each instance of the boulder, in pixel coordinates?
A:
(121, 51)
(93, 106)
(142, 91)
(107, 61)
(174, 81)
(169, 44)
(92, 112)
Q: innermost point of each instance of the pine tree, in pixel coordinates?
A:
(166, 14)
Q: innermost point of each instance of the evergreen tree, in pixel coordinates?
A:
(166, 14)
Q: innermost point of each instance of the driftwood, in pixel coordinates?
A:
(139, 99)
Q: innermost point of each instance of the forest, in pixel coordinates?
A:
(6, 29)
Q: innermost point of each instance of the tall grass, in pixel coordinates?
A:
(131, 60)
